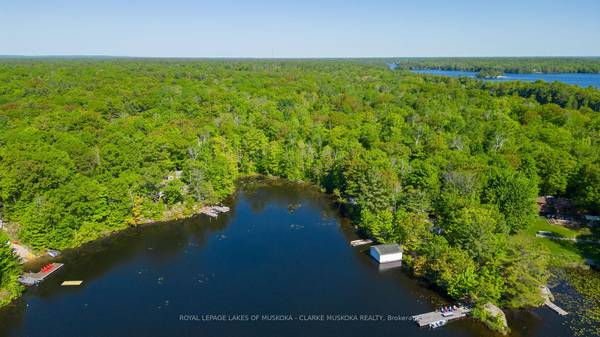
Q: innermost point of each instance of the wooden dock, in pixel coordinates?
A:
(214, 211)
(31, 279)
(210, 213)
(221, 209)
(437, 316)
(555, 307)
(547, 294)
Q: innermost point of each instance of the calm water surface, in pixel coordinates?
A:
(582, 80)
(282, 250)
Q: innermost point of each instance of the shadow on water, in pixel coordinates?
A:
(282, 250)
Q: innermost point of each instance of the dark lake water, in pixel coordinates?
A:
(282, 250)
(582, 80)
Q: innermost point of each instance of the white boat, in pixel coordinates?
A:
(221, 209)
(53, 253)
(356, 243)
(438, 324)
(211, 214)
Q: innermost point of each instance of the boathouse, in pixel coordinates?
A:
(386, 253)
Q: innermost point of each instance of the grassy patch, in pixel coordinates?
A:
(541, 224)
(563, 253)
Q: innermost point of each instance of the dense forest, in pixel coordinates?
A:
(448, 167)
(515, 65)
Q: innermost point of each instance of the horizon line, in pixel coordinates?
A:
(7, 56)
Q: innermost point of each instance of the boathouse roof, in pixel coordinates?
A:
(391, 248)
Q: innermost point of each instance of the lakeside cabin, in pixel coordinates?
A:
(386, 253)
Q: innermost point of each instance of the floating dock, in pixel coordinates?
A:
(361, 242)
(435, 317)
(31, 279)
(547, 294)
(555, 307)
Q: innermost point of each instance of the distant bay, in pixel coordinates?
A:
(579, 79)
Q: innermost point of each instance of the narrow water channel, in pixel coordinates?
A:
(282, 252)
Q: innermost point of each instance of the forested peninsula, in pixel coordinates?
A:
(514, 65)
(450, 168)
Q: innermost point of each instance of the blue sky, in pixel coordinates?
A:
(303, 28)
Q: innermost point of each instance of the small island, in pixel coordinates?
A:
(489, 74)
